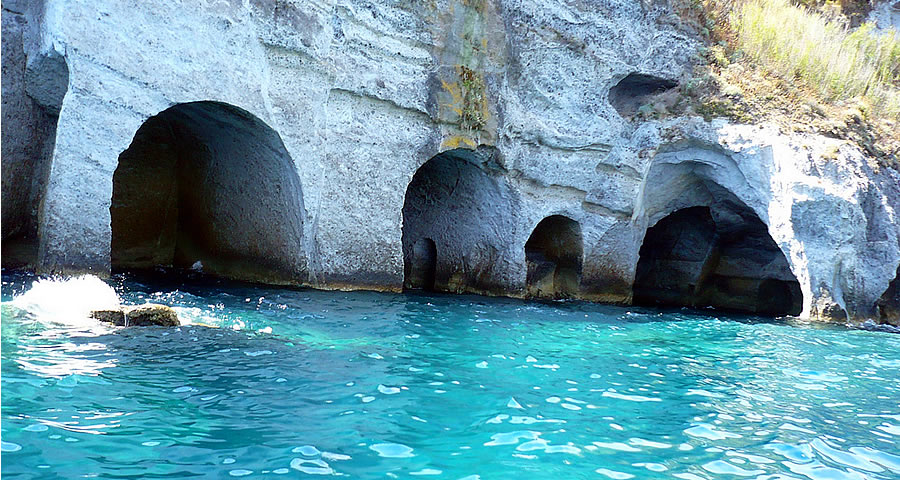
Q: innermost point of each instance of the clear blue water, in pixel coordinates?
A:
(303, 383)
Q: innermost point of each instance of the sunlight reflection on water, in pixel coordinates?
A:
(368, 385)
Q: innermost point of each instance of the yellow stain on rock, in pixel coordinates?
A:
(457, 141)
(456, 94)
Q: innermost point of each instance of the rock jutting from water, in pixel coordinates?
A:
(139, 316)
(485, 147)
(151, 315)
(115, 317)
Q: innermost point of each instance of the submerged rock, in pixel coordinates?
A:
(139, 316)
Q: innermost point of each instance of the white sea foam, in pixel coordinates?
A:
(67, 301)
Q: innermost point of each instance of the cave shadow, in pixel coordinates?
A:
(553, 256)
(208, 186)
(456, 224)
(725, 260)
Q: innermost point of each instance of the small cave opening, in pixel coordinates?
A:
(636, 90)
(553, 255)
(422, 265)
(208, 186)
(724, 259)
(888, 306)
(455, 224)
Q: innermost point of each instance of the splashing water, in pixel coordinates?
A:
(367, 385)
(67, 302)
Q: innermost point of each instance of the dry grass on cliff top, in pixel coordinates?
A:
(802, 67)
(837, 62)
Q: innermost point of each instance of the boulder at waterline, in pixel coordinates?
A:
(151, 314)
(139, 316)
(115, 317)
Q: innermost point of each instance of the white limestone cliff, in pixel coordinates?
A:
(359, 96)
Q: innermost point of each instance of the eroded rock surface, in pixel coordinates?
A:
(885, 14)
(29, 129)
(139, 316)
(151, 315)
(115, 317)
(520, 107)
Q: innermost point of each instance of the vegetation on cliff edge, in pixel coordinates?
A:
(805, 66)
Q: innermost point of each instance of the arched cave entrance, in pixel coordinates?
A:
(553, 257)
(888, 306)
(208, 182)
(725, 259)
(456, 224)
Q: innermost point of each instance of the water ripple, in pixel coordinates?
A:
(365, 385)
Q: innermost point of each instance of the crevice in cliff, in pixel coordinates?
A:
(539, 188)
(208, 186)
(390, 103)
(598, 209)
(720, 258)
(455, 225)
(553, 255)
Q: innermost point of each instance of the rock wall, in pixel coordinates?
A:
(363, 94)
(29, 129)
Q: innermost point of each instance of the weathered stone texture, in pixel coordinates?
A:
(151, 315)
(28, 131)
(147, 315)
(363, 94)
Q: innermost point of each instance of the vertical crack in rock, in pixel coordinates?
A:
(722, 258)
(210, 183)
(456, 225)
(553, 255)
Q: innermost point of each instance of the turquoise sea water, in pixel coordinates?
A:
(301, 383)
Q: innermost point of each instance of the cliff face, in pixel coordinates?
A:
(29, 129)
(364, 144)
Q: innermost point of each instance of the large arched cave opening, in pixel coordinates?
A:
(456, 222)
(210, 186)
(721, 258)
(553, 255)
